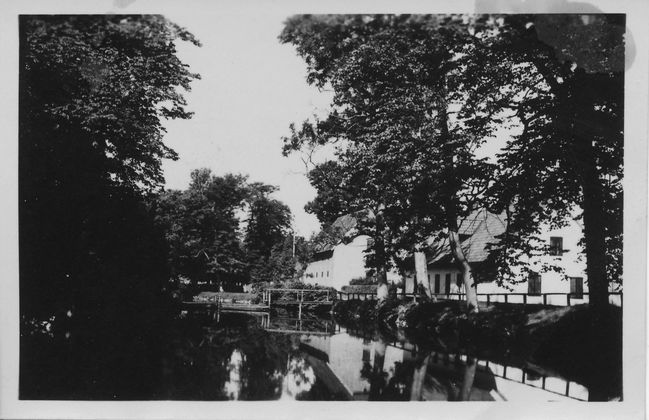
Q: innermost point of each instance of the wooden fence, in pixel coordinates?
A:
(545, 299)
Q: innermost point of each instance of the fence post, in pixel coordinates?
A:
(506, 298)
(488, 299)
(524, 299)
(545, 299)
(568, 298)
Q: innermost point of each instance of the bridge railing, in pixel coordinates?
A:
(298, 295)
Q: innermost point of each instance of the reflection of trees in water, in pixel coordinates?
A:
(201, 363)
(417, 380)
(236, 359)
(299, 378)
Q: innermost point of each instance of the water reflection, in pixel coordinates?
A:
(210, 356)
(315, 359)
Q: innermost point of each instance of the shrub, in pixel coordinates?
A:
(362, 281)
(359, 288)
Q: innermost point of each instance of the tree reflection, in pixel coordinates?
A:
(418, 377)
(234, 359)
(467, 379)
(299, 378)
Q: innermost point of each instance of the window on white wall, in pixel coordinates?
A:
(577, 287)
(556, 246)
(534, 283)
(436, 290)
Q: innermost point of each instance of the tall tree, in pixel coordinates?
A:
(418, 97)
(568, 101)
(94, 91)
(397, 82)
(268, 225)
(93, 94)
(332, 199)
(202, 227)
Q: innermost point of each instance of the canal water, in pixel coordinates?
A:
(264, 357)
(213, 356)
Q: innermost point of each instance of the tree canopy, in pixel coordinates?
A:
(94, 91)
(418, 99)
(226, 230)
(409, 156)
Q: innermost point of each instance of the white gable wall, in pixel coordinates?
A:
(319, 272)
(346, 263)
(349, 261)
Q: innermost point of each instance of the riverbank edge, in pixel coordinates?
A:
(562, 341)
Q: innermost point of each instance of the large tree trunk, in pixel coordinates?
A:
(421, 273)
(382, 284)
(452, 186)
(595, 221)
(380, 261)
(593, 208)
(465, 269)
(594, 236)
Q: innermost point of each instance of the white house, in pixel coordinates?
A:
(565, 254)
(336, 265)
(339, 264)
(482, 228)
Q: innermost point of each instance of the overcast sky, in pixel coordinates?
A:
(252, 88)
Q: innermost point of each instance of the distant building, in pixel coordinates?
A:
(481, 229)
(336, 265)
(564, 253)
(476, 233)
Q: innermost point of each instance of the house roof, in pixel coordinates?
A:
(345, 223)
(323, 255)
(477, 231)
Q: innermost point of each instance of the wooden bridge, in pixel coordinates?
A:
(228, 301)
(298, 297)
(283, 297)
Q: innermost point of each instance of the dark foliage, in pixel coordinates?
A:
(93, 93)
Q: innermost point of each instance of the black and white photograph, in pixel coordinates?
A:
(226, 205)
